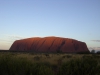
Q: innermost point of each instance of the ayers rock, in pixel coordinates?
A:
(49, 44)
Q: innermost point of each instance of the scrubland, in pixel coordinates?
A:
(21, 63)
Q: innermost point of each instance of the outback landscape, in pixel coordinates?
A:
(49, 37)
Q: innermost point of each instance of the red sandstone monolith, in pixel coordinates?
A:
(49, 44)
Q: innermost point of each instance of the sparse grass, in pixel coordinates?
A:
(49, 64)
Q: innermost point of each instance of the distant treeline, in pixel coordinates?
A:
(48, 52)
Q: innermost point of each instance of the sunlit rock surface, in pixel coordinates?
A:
(49, 44)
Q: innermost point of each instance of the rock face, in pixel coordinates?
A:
(49, 44)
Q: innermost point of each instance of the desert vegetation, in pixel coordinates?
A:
(17, 63)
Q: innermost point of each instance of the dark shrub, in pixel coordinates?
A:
(36, 58)
(98, 52)
(67, 56)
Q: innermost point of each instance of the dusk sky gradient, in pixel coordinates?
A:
(76, 19)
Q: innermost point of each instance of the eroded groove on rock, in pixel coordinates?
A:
(59, 48)
(41, 45)
(52, 44)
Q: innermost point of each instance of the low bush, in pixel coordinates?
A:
(67, 56)
(36, 58)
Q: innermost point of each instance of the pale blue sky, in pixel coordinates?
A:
(76, 19)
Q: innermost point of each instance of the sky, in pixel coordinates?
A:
(76, 19)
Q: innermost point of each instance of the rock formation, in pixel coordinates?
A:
(49, 44)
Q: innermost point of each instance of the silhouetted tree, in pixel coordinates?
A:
(93, 51)
(98, 52)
